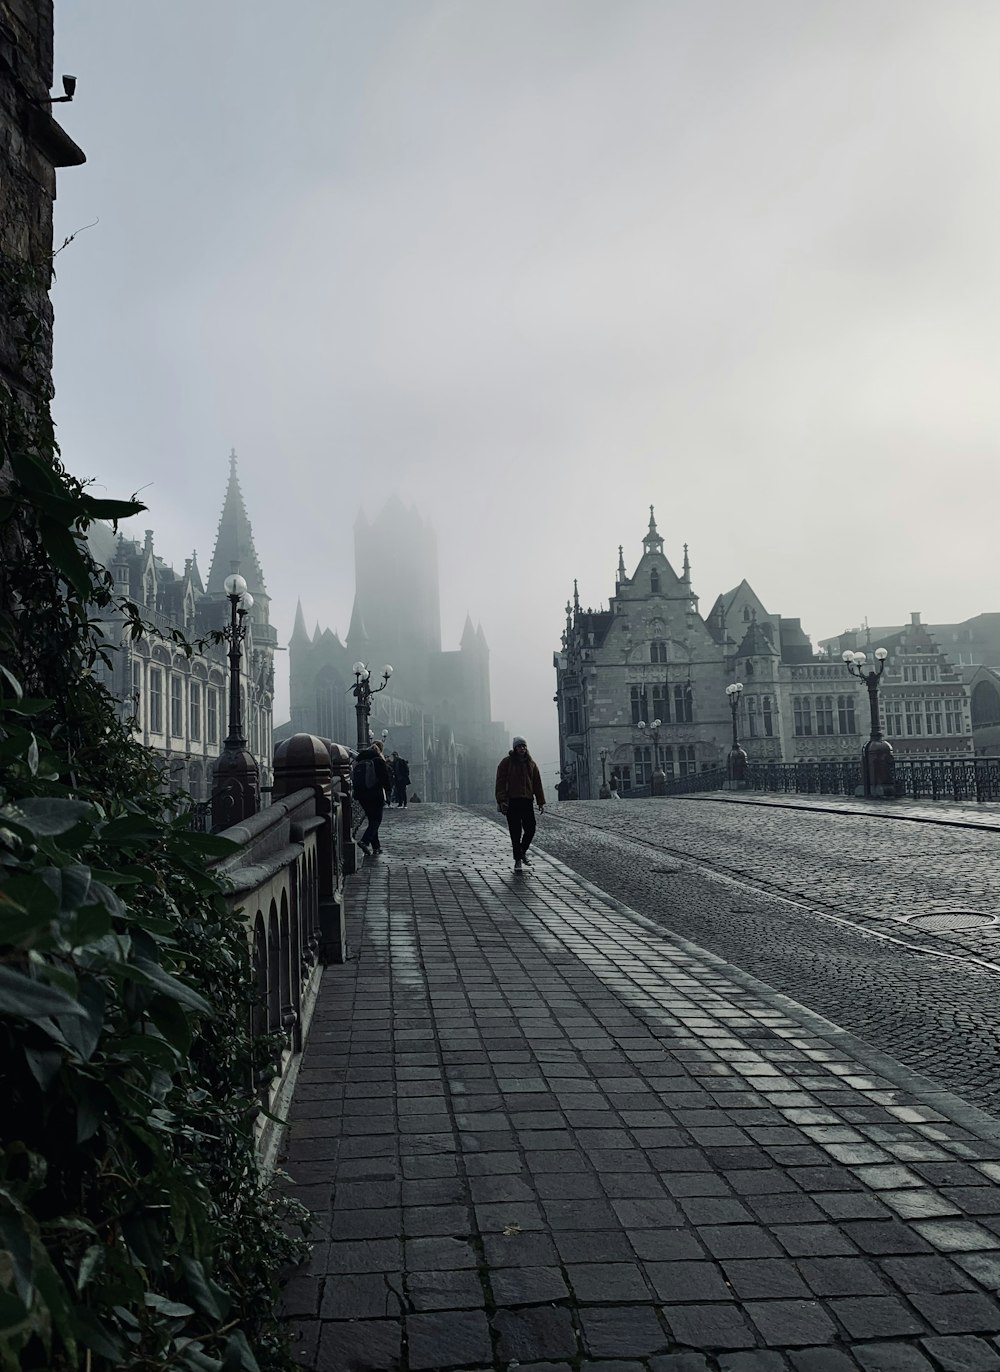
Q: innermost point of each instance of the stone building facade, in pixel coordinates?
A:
(436, 710)
(179, 704)
(651, 655)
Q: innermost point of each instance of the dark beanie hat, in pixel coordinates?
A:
(518, 739)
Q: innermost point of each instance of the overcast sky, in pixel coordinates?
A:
(534, 265)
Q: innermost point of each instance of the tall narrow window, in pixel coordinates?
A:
(638, 703)
(683, 703)
(768, 717)
(657, 651)
(667, 762)
(660, 705)
(195, 711)
(654, 583)
(572, 714)
(845, 715)
(212, 713)
(686, 757)
(752, 716)
(643, 759)
(802, 710)
(136, 701)
(953, 722)
(156, 700)
(824, 714)
(176, 705)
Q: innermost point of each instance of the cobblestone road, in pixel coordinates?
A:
(820, 905)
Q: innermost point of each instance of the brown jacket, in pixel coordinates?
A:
(518, 780)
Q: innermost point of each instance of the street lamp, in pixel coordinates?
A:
(736, 764)
(236, 779)
(605, 792)
(362, 690)
(878, 763)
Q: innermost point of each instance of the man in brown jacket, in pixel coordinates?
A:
(519, 785)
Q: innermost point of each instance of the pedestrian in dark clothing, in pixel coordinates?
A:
(372, 786)
(519, 785)
(401, 778)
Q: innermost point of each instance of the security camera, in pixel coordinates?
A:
(69, 86)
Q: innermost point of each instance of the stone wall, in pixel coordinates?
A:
(32, 146)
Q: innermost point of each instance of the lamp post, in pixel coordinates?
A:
(236, 780)
(736, 763)
(878, 763)
(657, 780)
(605, 791)
(362, 690)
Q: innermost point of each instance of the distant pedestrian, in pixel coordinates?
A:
(616, 793)
(372, 786)
(519, 785)
(401, 778)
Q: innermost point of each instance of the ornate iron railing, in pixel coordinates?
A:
(952, 778)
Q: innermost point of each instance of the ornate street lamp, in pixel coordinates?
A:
(362, 690)
(658, 780)
(878, 763)
(736, 763)
(605, 791)
(236, 779)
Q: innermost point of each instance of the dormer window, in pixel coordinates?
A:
(746, 614)
(654, 583)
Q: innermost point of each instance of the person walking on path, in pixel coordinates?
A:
(519, 785)
(401, 778)
(372, 786)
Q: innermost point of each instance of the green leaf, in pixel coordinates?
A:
(95, 1333)
(50, 815)
(43, 1064)
(17, 1242)
(110, 509)
(208, 1297)
(70, 885)
(83, 1035)
(173, 1309)
(152, 974)
(12, 682)
(91, 1262)
(237, 1356)
(22, 997)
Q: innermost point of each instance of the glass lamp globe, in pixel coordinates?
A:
(847, 655)
(359, 669)
(246, 601)
(387, 671)
(234, 585)
(881, 654)
(859, 658)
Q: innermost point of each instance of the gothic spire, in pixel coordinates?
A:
(652, 543)
(300, 633)
(234, 547)
(621, 564)
(687, 566)
(576, 596)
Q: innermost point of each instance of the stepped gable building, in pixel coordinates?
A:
(178, 705)
(437, 706)
(925, 700)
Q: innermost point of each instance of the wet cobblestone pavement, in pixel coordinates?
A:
(821, 905)
(538, 1131)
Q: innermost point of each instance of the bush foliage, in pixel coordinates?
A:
(135, 1230)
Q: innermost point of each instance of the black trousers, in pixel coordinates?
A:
(521, 823)
(373, 804)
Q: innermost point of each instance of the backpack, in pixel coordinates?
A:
(363, 776)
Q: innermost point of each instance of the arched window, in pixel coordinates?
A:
(654, 583)
(657, 651)
(985, 704)
(746, 614)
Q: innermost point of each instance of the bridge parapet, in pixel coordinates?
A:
(287, 876)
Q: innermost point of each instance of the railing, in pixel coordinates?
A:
(954, 779)
(287, 879)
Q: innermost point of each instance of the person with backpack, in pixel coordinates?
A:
(519, 785)
(401, 777)
(372, 787)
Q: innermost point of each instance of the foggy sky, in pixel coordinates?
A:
(534, 265)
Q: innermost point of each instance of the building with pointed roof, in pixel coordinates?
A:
(650, 656)
(178, 703)
(437, 708)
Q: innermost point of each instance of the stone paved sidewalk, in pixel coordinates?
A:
(538, 1132)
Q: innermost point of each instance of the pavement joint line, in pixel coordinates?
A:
(989, 823)
(731, 879)
(978, 1122)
